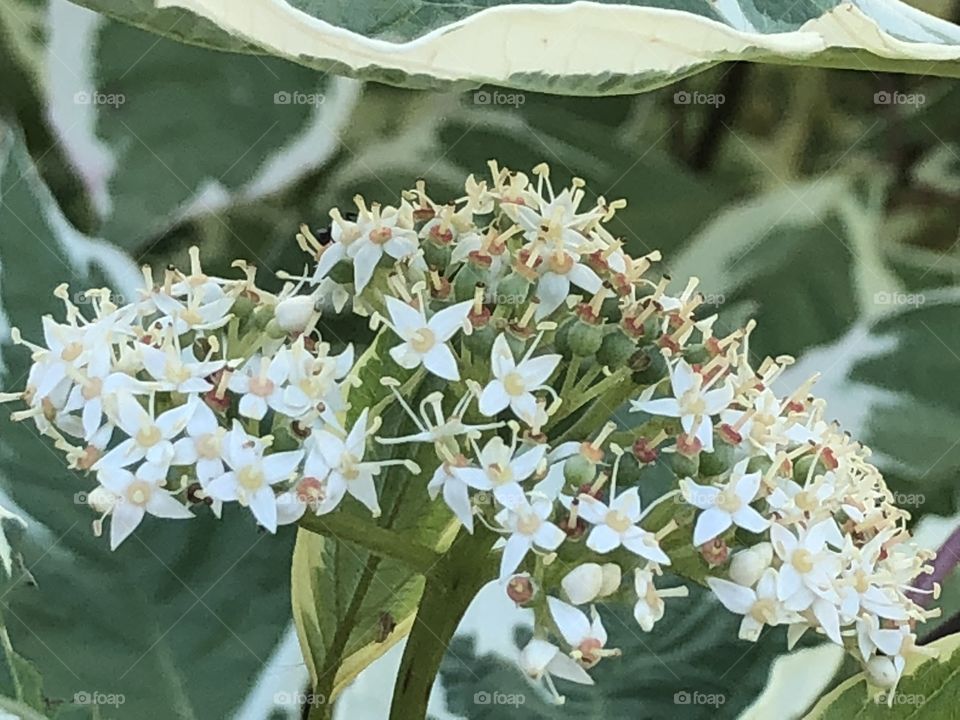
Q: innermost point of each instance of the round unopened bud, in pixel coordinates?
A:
(520, 589)
(101, 500)
(717, 462)
(748, 565)
(612, 575)
(584, 583)
(293, 313)
(615, 350)
(579, 470)
(882, 672)
(585, 338)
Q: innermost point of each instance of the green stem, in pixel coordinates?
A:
(378, 540)
(600, 411)
(449, 589)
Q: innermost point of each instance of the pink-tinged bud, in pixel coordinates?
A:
(829, 459)
(729, 435)
(520, 589)
(688, 445)
(311, 490)
(715, 552)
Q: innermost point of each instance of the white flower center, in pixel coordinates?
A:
(380, 236)
(71, 352)
(423, 340)
(528, 524)
(617, 521)
(514, 384)
(500, 474)
(208, 446)
(138, 492)
(92, 389)
(764, 610)
(728, 501)
(262, 387)
(802, 560)
(148, 436)
(250, 478)
(692, 402)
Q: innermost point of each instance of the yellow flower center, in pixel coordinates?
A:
(802, 560)
(423, 340)
(71, 352)
(529, 524)
(617, 521)
(149, 436)
(250, 478)
(728, 501)
(208, 446)
(138, 492)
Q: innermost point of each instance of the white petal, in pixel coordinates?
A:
(280, 466)
(514, 551)
(253, 406)
(263, 505)
(710, 523)
(440, 361)
(603, 539)
(161, 504)
(736, 598)
(363, 489)
(457, 498)
(446, 322)
(123, 521)
(494, 398)
(572, 624)
(406, 319)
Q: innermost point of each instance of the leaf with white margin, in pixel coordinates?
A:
(889, 382)
(928, 689)
(183, 614)
(573, 48)
(162, 131)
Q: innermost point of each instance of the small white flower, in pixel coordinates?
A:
(727, 506)
(501, 471)
(379, 234)
(807, 565)
(690, 402)
(252, 475)
(616, 525)
(649, 607)
(148, 437)
(561, 268)
(586, 637)
(514, 383)
(179, 371)
(260, 382)
(759, 607)
(529, 527)
(540, 658)
(202, 449)
(89, 393)
(197, 313)
(339, 462)
(456, 494)
(137, 494)
(425, 341)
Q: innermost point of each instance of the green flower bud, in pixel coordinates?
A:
(696, 354)
(514, 290)
(651, 367)
(243, 306)
(802, 465)
(585, 338)
(437, 254)
(578, 470)
(480, 341)
(683, 465)
(717, 462)
(760, 463)
(561, 339)
(616, 349)
(468, 277)
(628, 472)
(274, 330)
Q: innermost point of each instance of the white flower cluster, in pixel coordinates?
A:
(513, 325)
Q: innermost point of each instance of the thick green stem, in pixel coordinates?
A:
(380, 541)
(449, 589)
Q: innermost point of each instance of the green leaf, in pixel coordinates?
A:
(584, 48)
(188, 126)
(928, 689)
(185, 615)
